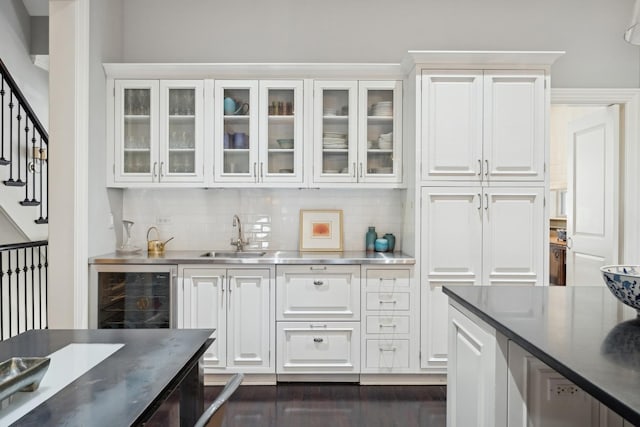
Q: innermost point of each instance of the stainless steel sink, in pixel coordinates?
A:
(233, 254)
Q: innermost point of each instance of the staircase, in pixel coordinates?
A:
(23, 198)
(23, 160)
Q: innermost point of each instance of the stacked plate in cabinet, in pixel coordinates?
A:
(385, 141)
(334, 140)
(382, 108)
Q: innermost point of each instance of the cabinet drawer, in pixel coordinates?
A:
(321, 347)
(387, 354)
(387, 300)
(397, 278)
(307, 293)
(387, 324)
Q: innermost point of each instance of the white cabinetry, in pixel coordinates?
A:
(158, 132)
(357, 132)
(318, 319)
(238, 304)
(389, 314)
(476, 369)
(475, 236)
(483, 125)
(258, 132)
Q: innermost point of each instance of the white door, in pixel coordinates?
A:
(206, 308)
(250, 324)
(592, 196)
(513, 239)
(451, 255)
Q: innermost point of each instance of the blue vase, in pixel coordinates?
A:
(370, 239)
(381, 245)
(391, 239)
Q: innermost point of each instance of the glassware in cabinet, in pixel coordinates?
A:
(235, 128)
(281, 131)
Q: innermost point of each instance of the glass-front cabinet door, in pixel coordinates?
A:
(281, 131)
(181, 131)
(379, 132)
(136, 130)
(236, 131)
(335, 131)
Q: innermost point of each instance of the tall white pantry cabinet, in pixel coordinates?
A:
(481, 141)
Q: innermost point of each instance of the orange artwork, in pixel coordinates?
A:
(321, 229)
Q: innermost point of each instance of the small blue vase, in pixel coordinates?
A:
(229, 106)
(370, 239)
(381, 245)
(392, 241)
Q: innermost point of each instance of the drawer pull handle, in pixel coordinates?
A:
(318, 268)
(318, 340)
(393, 325)
(393, 279)
(318, 282)
(388, 349)
(317, 326)
(389, 302)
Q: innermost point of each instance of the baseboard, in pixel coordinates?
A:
(403, 379)
(249, 379)
(336, 378)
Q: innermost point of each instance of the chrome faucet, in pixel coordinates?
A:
(239, 243)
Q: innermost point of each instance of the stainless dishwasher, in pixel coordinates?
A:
(136, 296)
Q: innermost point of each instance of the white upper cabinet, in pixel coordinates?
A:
(158, 132)
(357, 132)
(483, 125)
(258, 132)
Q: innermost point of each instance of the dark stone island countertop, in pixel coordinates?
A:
(583, 333)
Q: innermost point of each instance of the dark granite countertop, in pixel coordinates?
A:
(269, 258)
(122, 388)
(583, 333)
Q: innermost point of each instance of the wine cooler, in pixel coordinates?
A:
(132, 296)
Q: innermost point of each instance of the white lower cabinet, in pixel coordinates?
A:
(389, 313)
(239, 304)
(475, 392)
(314, 347)
(318, 319)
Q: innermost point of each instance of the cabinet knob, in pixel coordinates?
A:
(318, 282)
(318, 340)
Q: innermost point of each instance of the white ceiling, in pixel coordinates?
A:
(37, 7)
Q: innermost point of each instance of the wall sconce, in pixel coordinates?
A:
(38, 155)
(632, 34)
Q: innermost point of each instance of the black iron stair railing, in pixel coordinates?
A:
(23, 146)
(23, 287)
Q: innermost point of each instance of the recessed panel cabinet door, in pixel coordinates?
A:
(514, 125)
(452, 125)
(451, 255)
(248, 329)
(513, 228)
(206, 301)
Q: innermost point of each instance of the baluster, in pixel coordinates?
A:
(40, 287)
(46, 283)
(10, 137)
(3, 161)
(33, 294)
(9, 274)
(19, 179)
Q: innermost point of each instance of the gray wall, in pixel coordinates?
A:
(105, 46)
(15, 41)
(590, 31)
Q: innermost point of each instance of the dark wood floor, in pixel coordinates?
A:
(321, 405)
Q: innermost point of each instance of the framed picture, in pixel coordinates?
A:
(321, 230)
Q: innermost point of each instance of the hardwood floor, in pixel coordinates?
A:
(321, 405)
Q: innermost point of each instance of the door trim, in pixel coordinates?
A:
(629, 99)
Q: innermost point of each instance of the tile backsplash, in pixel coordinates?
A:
(203, 219)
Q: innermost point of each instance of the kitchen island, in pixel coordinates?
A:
(108, 377)
(542, 355)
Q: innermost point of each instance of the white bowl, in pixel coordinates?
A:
(624, 283)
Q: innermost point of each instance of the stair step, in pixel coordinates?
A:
(32, 202)
(12, 183)
(4, 162)
(42, 220)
